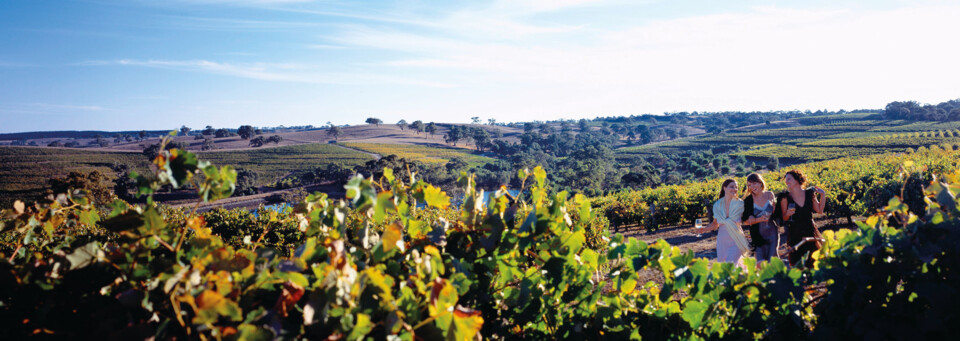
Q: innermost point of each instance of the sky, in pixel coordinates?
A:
(139, 64)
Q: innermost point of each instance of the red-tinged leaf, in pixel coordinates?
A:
(466, 324)
(289, 297)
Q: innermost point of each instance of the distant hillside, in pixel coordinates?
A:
(85, 134)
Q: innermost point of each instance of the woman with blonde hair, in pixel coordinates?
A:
(758, 206)
(727, 212)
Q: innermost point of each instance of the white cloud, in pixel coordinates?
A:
(276, 72)
(767, 58)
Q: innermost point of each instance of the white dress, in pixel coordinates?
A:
(727, 249)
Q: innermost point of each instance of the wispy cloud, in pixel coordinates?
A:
(239, 2)
(761, 58)
(276, 72)
(6, 64)
(48, 108)
(230, 24)
(326, 47)
(66, 106)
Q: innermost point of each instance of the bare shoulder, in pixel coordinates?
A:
(769, 196)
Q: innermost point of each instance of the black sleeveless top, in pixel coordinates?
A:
(801, 223)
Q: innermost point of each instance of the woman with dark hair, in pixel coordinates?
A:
(758, 206)
(727, 210)
(798, 206)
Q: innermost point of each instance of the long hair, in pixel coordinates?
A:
(724, 185)
(756, 178)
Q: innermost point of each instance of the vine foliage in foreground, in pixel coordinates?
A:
(395, 261)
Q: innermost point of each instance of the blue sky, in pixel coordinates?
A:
(119, 65)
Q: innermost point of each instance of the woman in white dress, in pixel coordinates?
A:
(727, 211)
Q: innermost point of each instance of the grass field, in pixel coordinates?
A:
(435, 155)
(24, 171)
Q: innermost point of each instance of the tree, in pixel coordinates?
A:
(544, 128)
(123, 184)
(480, 138)
(246, 132)
(582, 124)
(275, 139)
(208, 131)
(257, 141)
(491, 121)
(773, 163)
(529, 127)
(100, 141)
(431, 129)
(184, 130)
(374, 121)
(94, 183)
(402, 124)
(222, 132)
(335, 131)
(246, 181)
(456, 164)
(454, 134)
(142, 135)
(417, 126)
(208, 144)
(475, 119)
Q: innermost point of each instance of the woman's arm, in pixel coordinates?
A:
(819, 204)
(713, 225)
(783, 210)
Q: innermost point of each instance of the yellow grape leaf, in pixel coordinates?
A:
(628, 286)
(466, 324)
(540, 175)
(393, 237)
(435, 197)
(211, 305)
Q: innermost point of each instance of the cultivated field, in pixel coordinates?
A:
(437, 154)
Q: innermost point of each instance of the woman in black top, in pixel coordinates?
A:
(798, 206)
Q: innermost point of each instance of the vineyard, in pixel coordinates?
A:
(425, 154)
(396, 261)
(855, 187)
(24, 171)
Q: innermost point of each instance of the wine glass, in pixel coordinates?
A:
(698, 224)
(793, 207)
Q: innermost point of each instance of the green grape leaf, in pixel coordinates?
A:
(361, 327)
(693, 312)
(443, 298)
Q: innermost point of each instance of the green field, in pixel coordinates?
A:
(24, 170)
(434, 155)
(816, 139)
